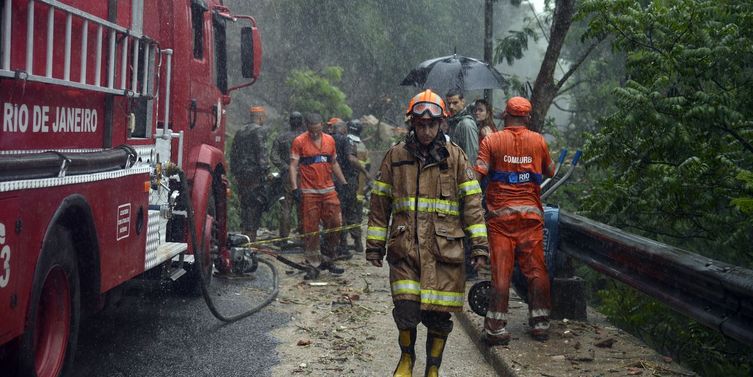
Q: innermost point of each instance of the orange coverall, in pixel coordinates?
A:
(515, 160)
(319, 201)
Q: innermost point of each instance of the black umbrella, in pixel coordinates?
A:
(454, 72)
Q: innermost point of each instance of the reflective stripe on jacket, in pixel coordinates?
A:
(515, 159)
(432, 206)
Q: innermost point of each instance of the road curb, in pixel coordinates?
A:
(490, 353)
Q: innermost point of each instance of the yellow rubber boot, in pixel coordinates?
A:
(407, 341)
(434, 348)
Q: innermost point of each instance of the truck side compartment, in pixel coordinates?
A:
(102, 102)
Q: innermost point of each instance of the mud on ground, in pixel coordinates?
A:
(574, 348)
(342, 326)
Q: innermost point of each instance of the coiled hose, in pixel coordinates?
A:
(199, 260)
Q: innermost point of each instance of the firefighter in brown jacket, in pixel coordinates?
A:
(427, 188)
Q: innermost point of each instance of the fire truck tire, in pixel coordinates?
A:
(48, 345)
(210, 239)
(190, 284)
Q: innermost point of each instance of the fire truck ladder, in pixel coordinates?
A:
(135, 87)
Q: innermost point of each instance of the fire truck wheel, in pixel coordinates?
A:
(190, 284)
(48, 344)
(210, 238)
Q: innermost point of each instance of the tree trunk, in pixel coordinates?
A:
(488, 36)
(545, 89)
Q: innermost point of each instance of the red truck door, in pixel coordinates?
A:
(203, 93)
(10, 268)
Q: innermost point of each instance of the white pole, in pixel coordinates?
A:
(135, 74)
(50, 40)
(29, 38)
(67, 64)
(98, 60)
(168, 81)
(6, 36)
(84, 48)
(145, 73)
(111, 61)
(124, 64)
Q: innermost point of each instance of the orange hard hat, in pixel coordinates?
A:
(256, 109)
(334, 120)
(518, 106)
(427, 101)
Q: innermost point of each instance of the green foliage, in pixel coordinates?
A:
(314, 92)
(745, 203)
(702, 349)
(679, 134)
(666, 114)
(511, 47)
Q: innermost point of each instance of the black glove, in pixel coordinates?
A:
(297, 195)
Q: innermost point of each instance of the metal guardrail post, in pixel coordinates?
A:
(716, 294)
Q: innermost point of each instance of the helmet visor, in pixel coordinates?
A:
(434, 110)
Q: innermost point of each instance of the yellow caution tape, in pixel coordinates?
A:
(319, 232)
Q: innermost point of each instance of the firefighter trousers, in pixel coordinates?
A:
(320, 209)
(408, 314)
(287, 205)
(520, 239)
(352, 213)
(251, 209)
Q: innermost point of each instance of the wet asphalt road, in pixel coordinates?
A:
(157, 332)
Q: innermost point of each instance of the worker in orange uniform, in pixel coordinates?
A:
(515, 160)
(427, 195)
(313, 159)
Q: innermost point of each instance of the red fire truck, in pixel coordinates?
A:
(111, 116)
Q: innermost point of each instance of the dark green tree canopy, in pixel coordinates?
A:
(683, 126)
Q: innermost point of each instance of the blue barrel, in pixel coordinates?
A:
(551, 244)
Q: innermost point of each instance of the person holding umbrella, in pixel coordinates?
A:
(423, 199)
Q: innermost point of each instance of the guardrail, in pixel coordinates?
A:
(716, 294)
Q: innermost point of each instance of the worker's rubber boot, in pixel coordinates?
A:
(540, 331)
(434, 348)
(311, 273)
(358, 245)
(330, 266)
(407, 341)
(357, 241)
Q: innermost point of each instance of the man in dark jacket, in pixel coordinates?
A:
(280, 157)
(352, 211)
(463, 129)
(463, 132)
(250, 166)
